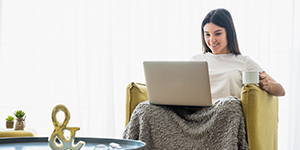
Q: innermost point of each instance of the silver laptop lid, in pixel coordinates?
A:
(183, 83)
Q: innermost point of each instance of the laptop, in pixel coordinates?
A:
(178, 83)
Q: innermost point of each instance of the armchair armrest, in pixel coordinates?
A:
(261, 116)
(135, 93)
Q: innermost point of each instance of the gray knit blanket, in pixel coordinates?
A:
(218, 127)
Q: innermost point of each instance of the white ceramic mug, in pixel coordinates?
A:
(251, 77)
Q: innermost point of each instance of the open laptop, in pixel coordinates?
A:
(180, 83)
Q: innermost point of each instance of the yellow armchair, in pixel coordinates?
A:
(259, 107)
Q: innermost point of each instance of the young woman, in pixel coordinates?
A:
(226, 64)
(220, 126)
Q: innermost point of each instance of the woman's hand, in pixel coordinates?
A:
(269, 84)
(263, 81)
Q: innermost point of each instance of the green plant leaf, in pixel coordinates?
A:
(19, 113)
(10, 118)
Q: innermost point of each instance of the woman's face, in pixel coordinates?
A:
(216, 39)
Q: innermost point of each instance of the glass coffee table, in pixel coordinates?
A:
(41, 143)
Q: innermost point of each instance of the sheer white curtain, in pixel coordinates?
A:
(83, 53)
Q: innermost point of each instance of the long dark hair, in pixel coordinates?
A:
(221, 17)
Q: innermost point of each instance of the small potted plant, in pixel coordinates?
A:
(20, 124)
(10, 122)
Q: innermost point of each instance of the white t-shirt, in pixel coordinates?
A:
(225, 72)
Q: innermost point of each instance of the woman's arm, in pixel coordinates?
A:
(269, 84)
